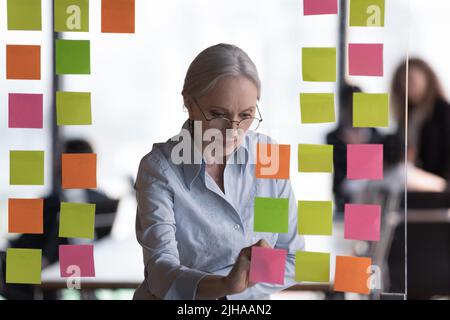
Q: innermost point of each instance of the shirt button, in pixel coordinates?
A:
(237, 227)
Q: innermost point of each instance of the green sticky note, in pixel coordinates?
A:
(73, 56)
(312, 266)
(26, 168)
(370, 110)
(271, 215)
(315, 218)
(73, 108)
(23, 266)
(24, 15)
(319, 64)
(315, 158)
(317, 107)
(77, 220)
(71, 15)
(367, 13)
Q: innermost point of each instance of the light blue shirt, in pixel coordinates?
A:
(189, 228)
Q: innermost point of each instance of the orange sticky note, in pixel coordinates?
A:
(352, 274)
(118, 16)
(23, 62)
(272, 161)
(26, 216)
(79, 171)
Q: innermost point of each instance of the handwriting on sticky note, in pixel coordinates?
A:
(273, 161)
(365, 161)
(370, 110)
(317, 108)
(362, 222)
(271, 215)
(81, 256)
(316, 7)
(365, 59)
(315, 158)
(312, 266)
(319, 64)
(352, 274)
(315, 217)
(267, 265)
(23, 266)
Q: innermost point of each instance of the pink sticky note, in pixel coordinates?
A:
(362, 222)
(25, 110)
(365, 59)
(267, 265)
(313, 7)
(76, 256)
(365, 161)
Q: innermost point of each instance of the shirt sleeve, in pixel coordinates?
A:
(155, 230)
(291, 242)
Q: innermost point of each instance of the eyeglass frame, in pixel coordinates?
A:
(231, 121)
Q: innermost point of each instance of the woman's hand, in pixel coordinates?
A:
(238, 278)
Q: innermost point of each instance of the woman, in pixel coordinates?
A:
(195, 202)
(428, 126)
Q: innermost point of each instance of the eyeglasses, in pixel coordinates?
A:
(221, 123)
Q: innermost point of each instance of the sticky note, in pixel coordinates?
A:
(315, 7)
(273, 161)
(367, 13)
(118, 16)
(24, 15)
(315, 158)
(370, 110)
(312, 266)
(71, 15)
(79, 171)
(25, 110)
(365, 59)
(73, 56)
(76, 259)
(26, 216)
(267, 265)
(317, 108)
(271, 215)
(23, 62)
(77, 220)
(319, 64)
(23, 266)
(362, 222)
(315, 218)
(352, 274)
(26, 168)
(365, 161)
(73, 108)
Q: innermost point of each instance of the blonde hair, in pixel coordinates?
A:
(214, 63)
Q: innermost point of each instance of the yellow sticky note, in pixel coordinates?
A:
(312, 266)
(370, 110)
(319, 64)
(315, 158)
(23, 266)
(315, 218)
(317, 107)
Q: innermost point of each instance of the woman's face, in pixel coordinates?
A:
(233, 97)
(417, 85)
